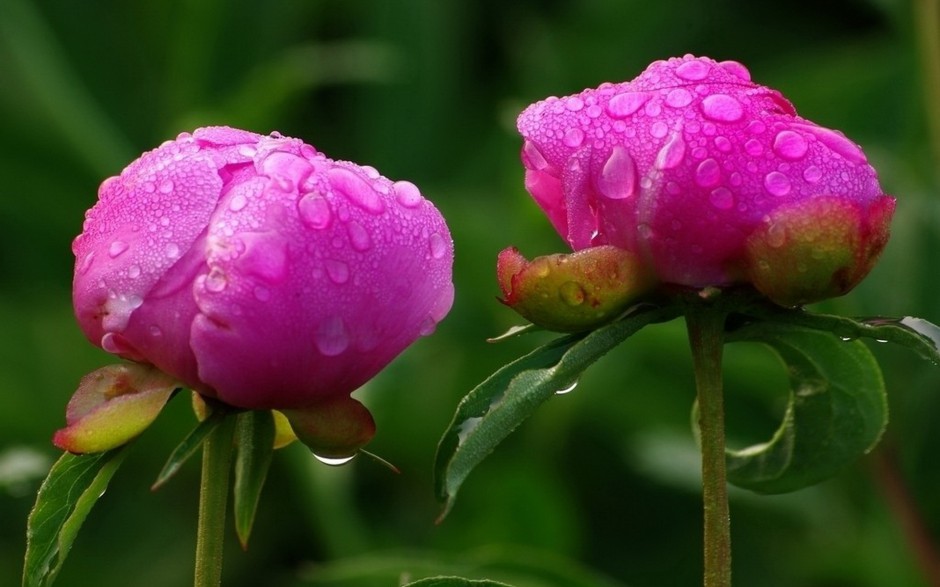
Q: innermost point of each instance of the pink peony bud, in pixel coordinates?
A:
(708, 177)
(257, 271)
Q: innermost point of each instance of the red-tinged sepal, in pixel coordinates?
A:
(333, 429)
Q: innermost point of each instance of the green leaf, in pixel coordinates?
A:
(454, 582)
(492, 410)
(254, 443)
(72, 487)
(917, 334)
(836, 413)
(189, 446)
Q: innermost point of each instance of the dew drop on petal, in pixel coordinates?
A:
(166, 186)
(692, 70)
(679, 98)
(155, 331)
(533, 157)
(737, 69)
(359, 237)
(172, 251)
(356, 189)
(777, 183)
(574, 137)
(722, 108)
(672, 153)
(723, 144)
(837, 142)
(238, 203)
(790, 145)
(315, 211)
(812, 174)
(133, 271)
(117, 248)
(708, 173)
(721, 198)
(86, 263)
(438, 246)
(262, 294)
(776, 235)
(331, 337)
(625, 104)
(659, 129)
(407, 193)
(574, 103)
(617, 179)
(572, 293)
(337, 271)
(754, 148)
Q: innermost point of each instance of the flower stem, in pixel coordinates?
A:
(705, 325)
(213, 498)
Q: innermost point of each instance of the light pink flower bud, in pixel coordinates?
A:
(691, 166)
(257, 271)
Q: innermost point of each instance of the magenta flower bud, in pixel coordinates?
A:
(257, 271)
(710, 178)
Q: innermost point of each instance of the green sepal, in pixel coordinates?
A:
(254, 446)
(65, 498)
(189, 446)
(493, 409)
(837, 410)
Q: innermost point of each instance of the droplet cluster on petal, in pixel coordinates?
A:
(256, 269)
(682, 164)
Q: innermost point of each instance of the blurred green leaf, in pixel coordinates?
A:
(72, 487)
(254, 443)
(837, 410)
(454, 582)
(493, 409)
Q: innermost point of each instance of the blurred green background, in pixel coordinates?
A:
(600, 487)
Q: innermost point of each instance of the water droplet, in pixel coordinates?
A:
(247, 151)
(356, 189)
(756, 127)
(262, 294)
(722, 108)
(149, 187)
(172, 251)
(722, 198)
(653, 109)
(118, 310)
(568, 389)
(571, 293)
(659, 129)
(790, 145)
(835, 141)
(334, 461)
(708, 173)
(407, 193)
(574, 103)
(314, 211)
(533, 157)
(617, 179)
(679, 98)
(117, 248)
(216, 280)
(723, 144)
(777, 183)
(754, 148)
(358, 237)
(133, 271)
(736, 69)
(86, 263)
(331, 337)
(625, 104)
(337, 271)
(672, 153)
(693, 70)
(166, 186)
(574, 137)
(776, 235)
(238, 203)
(438, 246)
(812, 174)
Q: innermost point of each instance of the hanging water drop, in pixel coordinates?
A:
(334, 461)
(568, 389)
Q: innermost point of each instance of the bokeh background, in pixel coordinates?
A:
(600, 488)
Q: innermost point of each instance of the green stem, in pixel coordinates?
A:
(705, 326)
(213, 498)
(927, 27)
